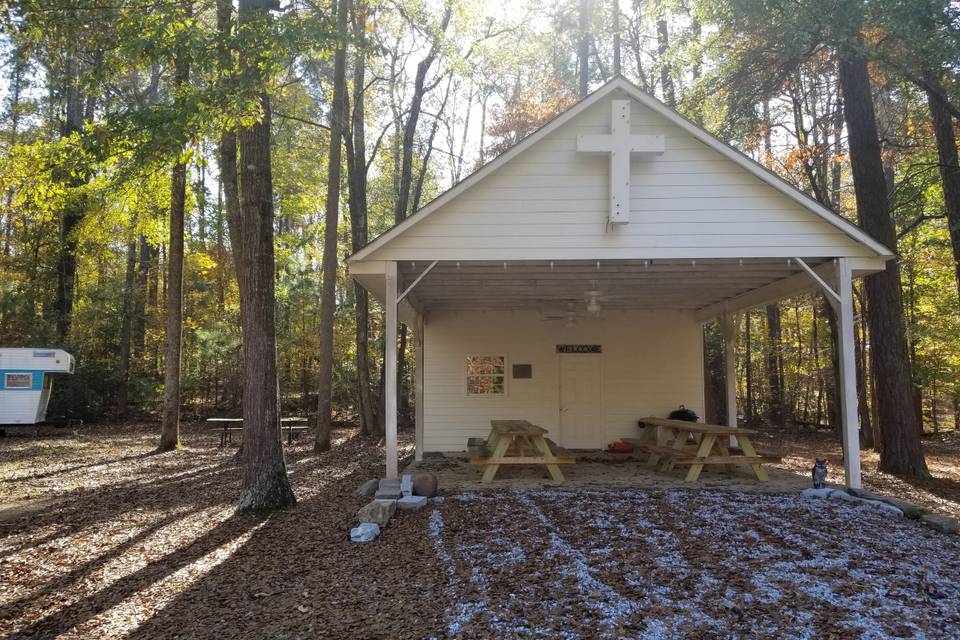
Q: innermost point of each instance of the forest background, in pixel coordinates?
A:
(113, 127)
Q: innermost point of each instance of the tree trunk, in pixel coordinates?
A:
(405, 179)
(815, 358)
(860, 353)
(75, 207)
(410, 128)
(265, 484)
(328, 292)
(170, 428)
(775, 410)
(357, 189)
(126, 329)
(949, 171)
(140, 298)
(18, 68)
(749, 408)
(901, 450)
(583, 49)
(666, 77)
(832, 383)
(715, 400)
(617, 65)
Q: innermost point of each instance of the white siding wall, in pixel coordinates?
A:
(551, 202)
(652, 362)
(21, 407)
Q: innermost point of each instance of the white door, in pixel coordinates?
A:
(581, 414)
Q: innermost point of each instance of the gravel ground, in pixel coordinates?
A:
(671, 564)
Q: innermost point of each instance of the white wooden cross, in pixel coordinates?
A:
(620, 144)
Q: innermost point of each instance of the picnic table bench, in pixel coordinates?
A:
(520, 442)
(694, 444)
(226, 427)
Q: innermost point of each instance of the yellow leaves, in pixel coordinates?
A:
(200, 263)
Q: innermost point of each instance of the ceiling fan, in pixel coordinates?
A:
(569, 315)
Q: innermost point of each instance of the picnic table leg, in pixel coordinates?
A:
(499, 450)
(650, 433)
(721, 446)
(552, 469)
(706, 446)
(660, 437)
(678, 444)
(748, 450)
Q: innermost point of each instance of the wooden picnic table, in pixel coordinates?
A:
(520, 442)
(225, 426)
(678, 442)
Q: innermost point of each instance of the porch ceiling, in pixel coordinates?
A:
(629, 284)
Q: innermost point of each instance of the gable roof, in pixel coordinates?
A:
(620, 83)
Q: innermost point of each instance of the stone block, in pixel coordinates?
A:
(377, 511)
(412, 503)
(389, 489)
(366, 532)
(943, 524)
(406, 484)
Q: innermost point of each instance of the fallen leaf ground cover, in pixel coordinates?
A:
(940, 492)
(98, 538)
(690, 564)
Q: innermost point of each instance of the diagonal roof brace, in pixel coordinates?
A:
(832, 296)
(415, 282)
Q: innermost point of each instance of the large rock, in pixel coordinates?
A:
(366, 532)
(378, 512)
(943, 524)
(816, 493)
(368, 488)
(855, 497)
(425, 484)
(909, 509)
(885, 507)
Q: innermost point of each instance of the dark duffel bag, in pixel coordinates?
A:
(687, 415)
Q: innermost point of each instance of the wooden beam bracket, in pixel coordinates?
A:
(416, 281)
(832, 296)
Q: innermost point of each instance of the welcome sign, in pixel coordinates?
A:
(579, 348)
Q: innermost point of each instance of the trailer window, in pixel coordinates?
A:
(18, 381)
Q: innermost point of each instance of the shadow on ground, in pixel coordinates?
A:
(156, 551)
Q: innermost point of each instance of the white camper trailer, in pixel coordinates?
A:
(26, 381)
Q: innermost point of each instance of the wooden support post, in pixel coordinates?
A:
(390, 370)
(728, 327)
(418, 386)
(847, 384)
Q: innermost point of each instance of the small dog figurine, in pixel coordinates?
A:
(819, 473)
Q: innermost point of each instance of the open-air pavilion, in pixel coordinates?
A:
(566, 282)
